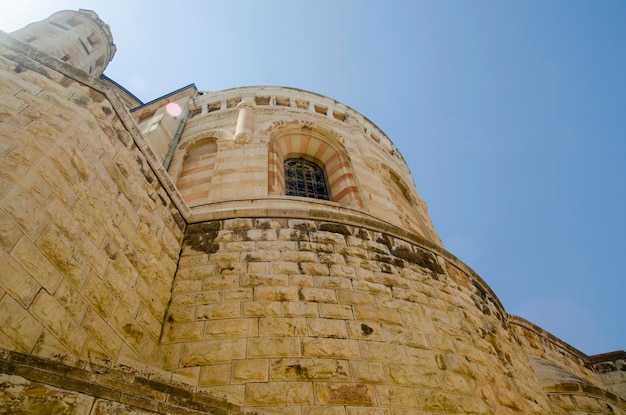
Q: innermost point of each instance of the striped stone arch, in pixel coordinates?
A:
(309, 142)
(193, 164)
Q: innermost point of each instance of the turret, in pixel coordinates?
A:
(79, 38)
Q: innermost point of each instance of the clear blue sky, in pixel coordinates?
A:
(511, 115)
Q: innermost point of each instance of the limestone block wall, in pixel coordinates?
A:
(293, 316)
(88, 239)
(575, 383)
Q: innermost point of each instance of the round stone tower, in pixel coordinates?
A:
(311, 279)
(79, 38)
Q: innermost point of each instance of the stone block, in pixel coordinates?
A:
(212, 375)
(16, 281)
(59, 322)
(183, 332)
(284, 268)
(251, 370)
(251, 280)
(218, 311)
(360, 329)
(324, 327)
(278, 393)
(281, 326)
(367, 372)
(356, 298)
(330, 348)
(378, 315)
(345, 394)
(338, 311)
(318, 295)
(262, 347)
(9, 232)
(98, 295)
(334, 283)
(314, 268)
(276, 293)
(238, 294)
(397, 396)
(262, 308)
(299, 309)
(102, 333)
(231, 328)
(299, 369)
(382, 352)
(210, 352)
(18, 324)
(299, 256)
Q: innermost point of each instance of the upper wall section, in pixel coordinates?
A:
(79, 38)
(231, 146)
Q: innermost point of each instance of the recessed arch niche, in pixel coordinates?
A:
(292, 141)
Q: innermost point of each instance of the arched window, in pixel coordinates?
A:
(305, 178)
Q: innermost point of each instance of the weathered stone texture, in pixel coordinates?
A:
(87, 233)
(390, 335)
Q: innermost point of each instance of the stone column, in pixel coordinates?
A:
(245, 122)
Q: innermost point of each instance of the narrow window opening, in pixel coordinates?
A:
(306, 179)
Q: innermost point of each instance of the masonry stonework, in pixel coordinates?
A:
(154, 260)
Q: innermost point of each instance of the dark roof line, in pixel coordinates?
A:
(106, 78)
(192, 85)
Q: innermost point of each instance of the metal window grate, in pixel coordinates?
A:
(305, 178)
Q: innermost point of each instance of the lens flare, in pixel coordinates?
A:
(173, 109)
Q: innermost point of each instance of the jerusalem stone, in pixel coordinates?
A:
(218, 310)
(368, 372)
(330, 348)
(102, 333)
(15, 280)
(276, 293)
(378, 316)
(309, 369)
(275, 393)
(19, 325)
(21, 396)
(397, 396)
(319, 295)
(58, 321)
(338, 311)
(254, 370)
(274, 327)
(272, 347)
(261, 308)
(324, 327)
(360, 329)
(345, 393)
(183, 332)
(9, 232)
(212, 375)
(314, 268)
(231, 328)
(210, 352)
(98, 295)
(107, 258)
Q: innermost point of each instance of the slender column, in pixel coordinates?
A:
(245, 121)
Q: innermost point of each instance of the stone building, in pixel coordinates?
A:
(254, 250)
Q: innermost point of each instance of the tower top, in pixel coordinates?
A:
(79, 38)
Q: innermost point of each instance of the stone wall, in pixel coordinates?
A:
(302, 317)
(89, 242)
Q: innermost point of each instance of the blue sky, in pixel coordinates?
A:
(511, 115)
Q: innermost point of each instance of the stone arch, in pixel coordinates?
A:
(192, 168)
(295, 140)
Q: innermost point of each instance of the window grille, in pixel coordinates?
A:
(305, 178)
